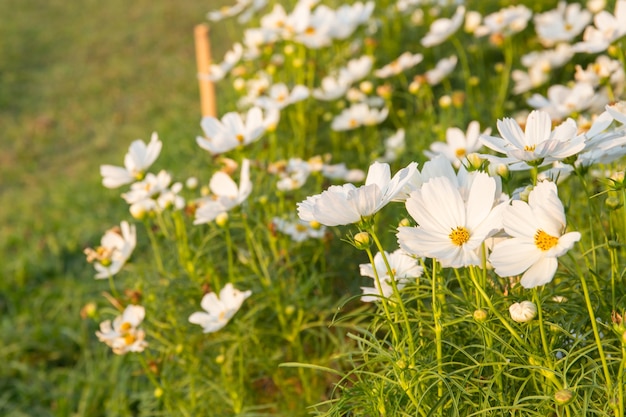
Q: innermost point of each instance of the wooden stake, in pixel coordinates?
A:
(203, 59)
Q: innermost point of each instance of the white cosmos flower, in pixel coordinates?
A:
(405, 61)
(299, 230)
(607, 29)
(563, 101)
(451, 229)
(458, 144)
(506, 21)
(280, 97)
(231, 58)
(538, 237)
(538, 143)
(395, 146)
(226, 195)
(124, 335)
(346, 204)
(138, 159)
(115, 248)
(403, 266)
(561, 24)
(442, 69)
(231, 131)
(218, 311)
(442, 29)
(151, 186)
(523, 312)
(618, 111)
(358, 115)
(332, 88)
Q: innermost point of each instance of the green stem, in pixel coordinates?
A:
(504, 322)
(437, 306)
(383, 299)
(542, 330)
(396, 293)
(596, 334)
(155, 249)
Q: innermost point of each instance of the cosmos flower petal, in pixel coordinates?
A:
(513, 256)
(540, 273)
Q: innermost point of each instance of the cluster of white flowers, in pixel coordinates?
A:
(124, 335)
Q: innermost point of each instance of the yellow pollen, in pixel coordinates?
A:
(281, 98)
(353, 123)
(301, 228)
(460, 152)
(459, 236)
(530, 148)
(544, 241)
(240, 138)
(568, 27)
(124, 327)
(129, 339)
(222, 315)
(310, 30)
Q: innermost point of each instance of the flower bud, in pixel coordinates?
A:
(191, 183)
(480, 315)
(366, 87)
(404, 223)
(289, 310)
(613, 203)
(158, 392)
(445, 101)
(362, 240)
(563, 396)
(523, 312)
(474, 160)
(219, 359)
(222, 219)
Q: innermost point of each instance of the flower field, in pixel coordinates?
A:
(400, 208)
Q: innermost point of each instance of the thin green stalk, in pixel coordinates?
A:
(542, 330)
(229, 252)
(383, 299)
(437, 306)
(155, 249)
(598, 340)
(504, 322)
(396, 293)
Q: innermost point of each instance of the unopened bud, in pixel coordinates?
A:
(474, 160)
(362, 240)
(480, 315)
(613, 203)
(563, 396)
(445, 101)
(366, 87)
(404, 223)
(222, 219)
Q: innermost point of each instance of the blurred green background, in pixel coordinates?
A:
(78, 82)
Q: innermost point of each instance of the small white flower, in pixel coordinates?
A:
(358, 115)
(458, 144)
(218, 311)
(346, 204)
(523, 312)
(226, 195)
(405, 61)
(115, 248)
(280, 97)
(124, 335)
(403, 266)
(231, 131)
(443, 28)
(538, 143)
(442, 69)
(300, 230)
(138, 159)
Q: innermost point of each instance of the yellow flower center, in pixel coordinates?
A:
(353, 123)
(530, 148)
(240, 138)
(309, 30)
(459, 236)
(544, 241)
(301, 228)
(124, 327)
(460, 152)
(129, 339)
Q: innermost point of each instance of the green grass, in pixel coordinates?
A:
(78, 82)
